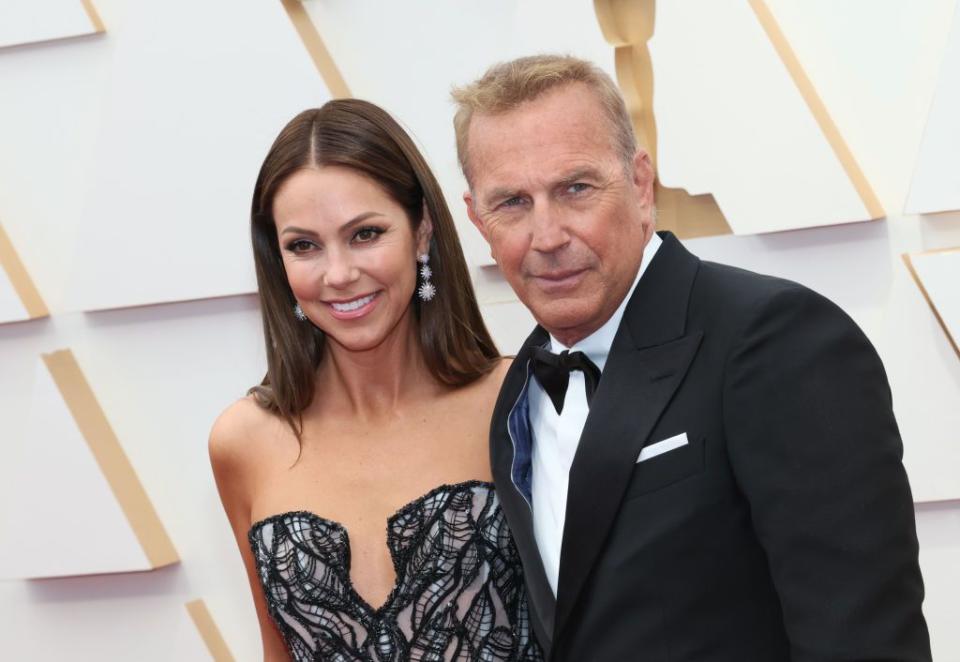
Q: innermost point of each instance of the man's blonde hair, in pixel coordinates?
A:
(509, 84)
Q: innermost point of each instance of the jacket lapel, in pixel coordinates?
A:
(514, 503)
(648, 360)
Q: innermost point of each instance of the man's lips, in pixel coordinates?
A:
(558, 280)
(558, 275)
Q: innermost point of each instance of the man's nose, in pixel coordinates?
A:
(340, 270)
(548, 229)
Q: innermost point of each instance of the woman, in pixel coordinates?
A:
(356, 476)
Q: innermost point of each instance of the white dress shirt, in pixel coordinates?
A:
(556, 436)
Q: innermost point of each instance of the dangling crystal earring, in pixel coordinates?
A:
(426, 291)
(299, 314)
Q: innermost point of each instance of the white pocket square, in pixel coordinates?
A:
(652, 450)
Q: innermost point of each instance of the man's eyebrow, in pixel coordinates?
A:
(577, 175)
(500, 193)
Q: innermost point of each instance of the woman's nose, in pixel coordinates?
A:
(340, 271)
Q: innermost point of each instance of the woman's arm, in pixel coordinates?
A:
(231, 459)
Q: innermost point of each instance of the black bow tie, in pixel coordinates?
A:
(553, 373)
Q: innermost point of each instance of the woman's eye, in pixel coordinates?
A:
(365, 235)
(299, 246)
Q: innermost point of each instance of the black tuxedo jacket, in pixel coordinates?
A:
(784, 529)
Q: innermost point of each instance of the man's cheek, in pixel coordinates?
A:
(511, 258)
(498, 242)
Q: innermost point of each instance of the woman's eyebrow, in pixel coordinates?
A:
(357, 220)
(293, 229)
(360, 218)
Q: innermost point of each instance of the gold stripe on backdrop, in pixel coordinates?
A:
(94, 15)
(209, 631)
(839, 146)
(316, 48)
(20, 279)
(954, 342)
(110, 457)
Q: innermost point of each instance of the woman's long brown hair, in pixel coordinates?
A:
(356, 134)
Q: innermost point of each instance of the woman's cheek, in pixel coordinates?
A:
(304, 279)
(387, 269)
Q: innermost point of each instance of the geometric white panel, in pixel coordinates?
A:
(199, 91)
(856, 52)
(936, 180)
(732, 122)
(938, 273)
(35, 121)
(11, 307)
(65, 519)
(27, 21)
(924, 376)
(410, 74)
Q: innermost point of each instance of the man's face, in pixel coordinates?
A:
(565, 218)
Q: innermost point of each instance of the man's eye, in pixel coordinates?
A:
(366, 235)
(512, 202)
(577, 187)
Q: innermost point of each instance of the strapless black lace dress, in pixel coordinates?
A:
(459, 593)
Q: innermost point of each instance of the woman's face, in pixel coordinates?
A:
(349, 252)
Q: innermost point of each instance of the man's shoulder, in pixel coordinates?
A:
(737, 280)
(724, 286)
(729, 286)
(731, 297)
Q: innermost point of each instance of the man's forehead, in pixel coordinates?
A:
(539, 163)
(543, 128)
(566, 107)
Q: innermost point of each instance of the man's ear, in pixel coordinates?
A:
(425, 231)
(472, 214)
(643, 177)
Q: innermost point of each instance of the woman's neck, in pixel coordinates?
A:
(377, 382)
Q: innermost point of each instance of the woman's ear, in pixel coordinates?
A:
(425, 231)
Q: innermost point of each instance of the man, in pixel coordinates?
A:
(696, 462)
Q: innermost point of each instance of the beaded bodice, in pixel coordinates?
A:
(459, 592)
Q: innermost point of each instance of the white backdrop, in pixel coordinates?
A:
(163, 372)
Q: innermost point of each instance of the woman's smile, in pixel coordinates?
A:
(350, 309)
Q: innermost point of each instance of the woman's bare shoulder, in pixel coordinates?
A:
(239, 431)
(489, 385)
(498, 374)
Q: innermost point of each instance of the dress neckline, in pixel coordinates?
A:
(344, 572)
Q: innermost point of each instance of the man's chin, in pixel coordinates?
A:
(572, 325)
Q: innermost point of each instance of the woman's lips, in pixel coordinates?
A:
(353, 308)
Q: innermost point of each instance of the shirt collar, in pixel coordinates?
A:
(597, 345)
